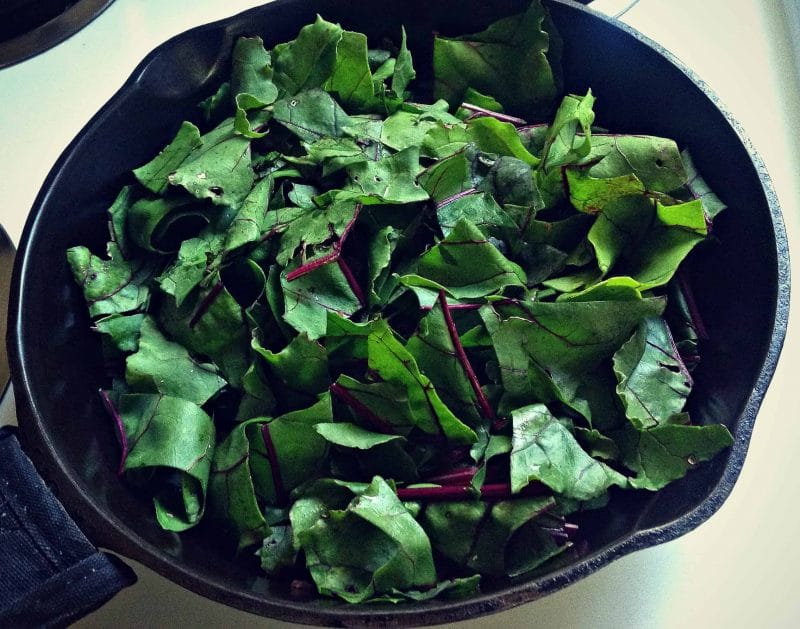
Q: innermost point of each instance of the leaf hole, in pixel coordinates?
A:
(216, 190)
(377, 179)
(293, 103)
(659, 162)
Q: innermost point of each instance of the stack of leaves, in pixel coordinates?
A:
(392, 346)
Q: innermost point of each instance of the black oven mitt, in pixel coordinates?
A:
(50, 574)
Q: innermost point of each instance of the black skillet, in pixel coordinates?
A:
(741, 284)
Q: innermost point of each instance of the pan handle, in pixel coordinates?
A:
(50, 574)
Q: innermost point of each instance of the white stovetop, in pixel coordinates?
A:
(737, 570)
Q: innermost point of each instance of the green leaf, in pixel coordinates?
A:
(161, 366)
(219, 170)
(479, 536)
(151, 221)
(493, 136)
(251, 220)
(311, 115)
(351, 80)
(698, 188)
(379, 404)
(544, 450)
(155, 174)
(251, 73)
(112, 285)
(447, 177)
(674, 233)
(374, 546)
(277, 551)
(167, 432)
(232, 497)
(655, 161)
(434, 350)
(195, 257)
(563, 145)
(573, 337)
(310, 227)
(619, 227)
(592, 195)
(122, 330)
(302, 365)
(508, 60)
(392, 179)
(117, 219)
(349, 435)
(663, 454)
(300, 451)
(310, 297)
(653, 381)
(394, 363)
(443, 140)
(404, 71)
(209, 322)
(468, 264)
(309, 60)
(511, 182)
(480, 209)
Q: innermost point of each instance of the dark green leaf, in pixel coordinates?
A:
(161, 366)
(394, 363)
(391, 179)
(311, 115)
(372, 547)
(167, 432)
(112, 285)
(309, 60)
(508, 60)
(663, 454)
(469, 265)
(232, 497)
(545, 451)
(155, 174)
(653, 381)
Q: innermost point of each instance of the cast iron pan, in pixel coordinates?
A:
(741, 283)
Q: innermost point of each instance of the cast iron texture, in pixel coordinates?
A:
(741, 283)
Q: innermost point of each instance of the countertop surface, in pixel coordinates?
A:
(739, 569)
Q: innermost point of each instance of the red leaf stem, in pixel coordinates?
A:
(274, 467)
(456, 197)
(313, 265)
(351, 281)
(483, 403)
(123, 437)
(204, 305)
(316, 263)
(362, 410)
(462, 476)
(691, 304)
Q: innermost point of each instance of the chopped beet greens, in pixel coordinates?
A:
(390, 346)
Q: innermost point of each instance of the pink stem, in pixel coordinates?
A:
(274, 467)
(206, 303)
(483, 403)
(461, 477)
(363, 411)
(456, 197)
(351, 281)
(316, 263)
(691, 304)
(480, 111)
(123, 437)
